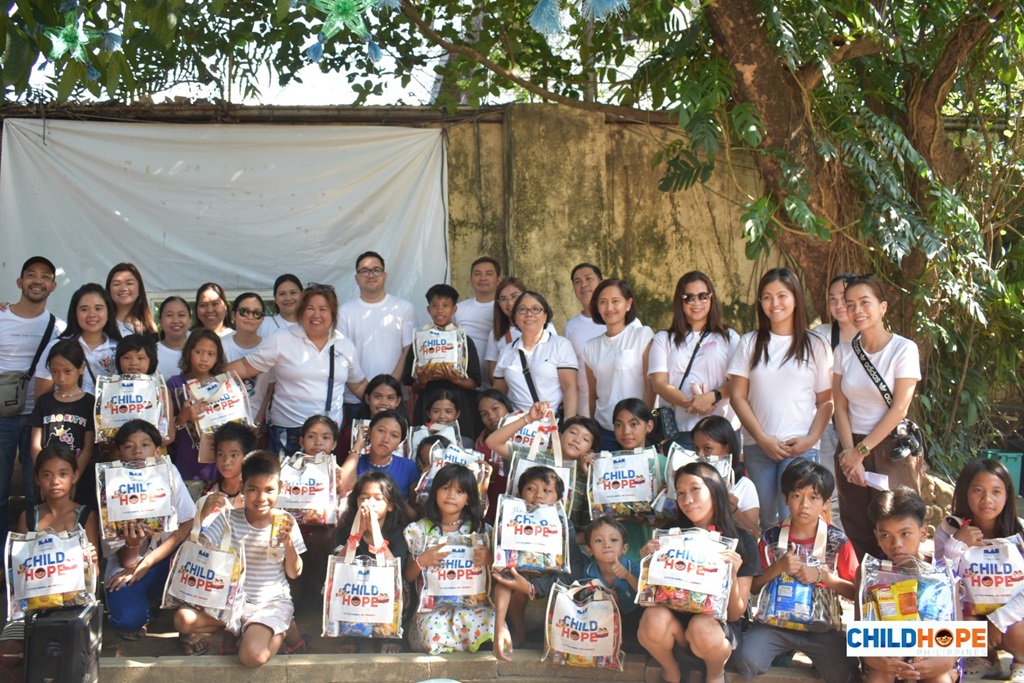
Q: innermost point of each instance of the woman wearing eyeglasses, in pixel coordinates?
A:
(864, 418)
(540, 365)
(688, 361)
(307, 382)
(247, 313)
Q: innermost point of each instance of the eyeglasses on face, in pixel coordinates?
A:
(367, 272)
(699, 296)
(250, 313)
(317, 287)
(532, 310)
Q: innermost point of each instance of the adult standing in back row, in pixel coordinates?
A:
(616, 361)
(23, 325)
(781, 389)
(582, 328)
(476, 315)
(380, 325)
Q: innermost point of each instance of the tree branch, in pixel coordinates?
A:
(502, 72)
(809, 75)
(925, 96)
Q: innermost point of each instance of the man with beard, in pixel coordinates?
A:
(22, 328)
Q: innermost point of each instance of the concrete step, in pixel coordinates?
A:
(400, 668)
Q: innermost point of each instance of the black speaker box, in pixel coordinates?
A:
(63, 645)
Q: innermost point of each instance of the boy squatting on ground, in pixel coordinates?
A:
(268, 608)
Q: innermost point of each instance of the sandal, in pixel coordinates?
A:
(195, 644)
(133, 635)
(299, 648)
(1017, 672)
(982, 667)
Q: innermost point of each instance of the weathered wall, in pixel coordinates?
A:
(548, 187)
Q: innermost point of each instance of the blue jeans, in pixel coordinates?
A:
(767, 477)
(285, 440)
(15, 442)
(129, 607)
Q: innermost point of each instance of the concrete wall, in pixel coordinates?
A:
(548, 187)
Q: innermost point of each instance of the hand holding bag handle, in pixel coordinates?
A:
(548, 425)
(225, 538)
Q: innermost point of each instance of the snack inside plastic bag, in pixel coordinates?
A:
(120, 398)
(457, 581)
(136, 491)
(308, 489)
(910, 590)
(438, 351)
(47, 570)
(991, 574)
(531, 538)
(623, 483)
(583, 627)
(687, 572)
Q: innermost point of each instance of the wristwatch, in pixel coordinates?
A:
(862, 448)
(718, 395)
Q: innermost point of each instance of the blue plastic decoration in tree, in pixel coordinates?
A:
(601, 9)
(389, 4)
(68, 39)
(343, 14)
(547, 17)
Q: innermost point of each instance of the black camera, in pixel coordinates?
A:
(909, 441)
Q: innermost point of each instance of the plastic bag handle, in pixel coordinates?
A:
(820, 540)
(225, 537)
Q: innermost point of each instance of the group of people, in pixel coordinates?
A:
(315, 371)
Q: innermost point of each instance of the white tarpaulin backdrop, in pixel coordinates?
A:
(232, 204)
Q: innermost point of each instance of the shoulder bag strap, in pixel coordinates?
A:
(693, 357)
(42, 345)
(330, 385)
(873, 373)
(835, 335)
(528, 376)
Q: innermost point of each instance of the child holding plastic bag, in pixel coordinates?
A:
(137, 560)
(818, 554)
(702, 502)
(984, 509)
(201, 359)
(55, 475)
(387, 430)
(375, 493)
(539, 485)
(605, 541)
(898, 518)
(453, 507)
(231, 442)
(713, 436)
(273, 545)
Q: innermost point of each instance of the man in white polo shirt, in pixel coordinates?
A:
(380, 325)
(582, 328)
(22, 327)
(476, 315)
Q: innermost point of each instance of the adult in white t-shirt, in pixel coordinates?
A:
(247, 316)
(174, 316)
(504, 332)
(550, 361)
(22, 325)
(699, 345)
(864, 420)
(380, 325)
(839, 329)
(92, 324)
(582, 328)
(781, 389)
(287, 293)
(476, 315)
(616, 362)
(301, 359)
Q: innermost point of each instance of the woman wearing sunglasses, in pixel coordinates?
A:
(688, 361)
(247, 314)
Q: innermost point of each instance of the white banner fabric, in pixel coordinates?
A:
(232, 204)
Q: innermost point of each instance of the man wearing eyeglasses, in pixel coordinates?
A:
(379, 324)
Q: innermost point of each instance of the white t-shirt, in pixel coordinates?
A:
(125, 327)
(167, 360)
(186, 509)
(100, 362)
(551, 354)
(379, 332)
(783, 395)
(257, 386)
(708, 369)
(579, 331)
(19, 339)
(899, 359)
(273, 323)
(746, 494)
(618, 366)
(478, 320)
(301, 371)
